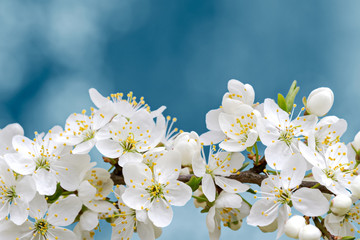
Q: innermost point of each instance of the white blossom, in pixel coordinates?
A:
(320, 101)
(47, 161)
(156, 190)
(220, 165)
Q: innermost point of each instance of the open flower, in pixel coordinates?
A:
(229, 209)
(281, 134)
(15, 194)
(47, 221)
(220, 165)
(127, 138)
(130, 220)
(233, 103)
(156, 191)
(279, 193)
(92, 192)
(118, 105)
(330, 169)
(240, 128)
(81, 130)
(47, 161)
(327, 133)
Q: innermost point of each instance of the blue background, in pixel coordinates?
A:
(175, 53)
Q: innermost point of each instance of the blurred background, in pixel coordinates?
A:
(175, 53)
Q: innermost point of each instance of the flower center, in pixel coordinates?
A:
(42, 163)
(129, 144)
(41, 226)
(283, 196)
(156, 191)
(9, 193)
(287, 137)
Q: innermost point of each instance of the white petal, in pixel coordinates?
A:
(283, 217)
(198, 165)
(210, 219)
(38, 206)
(109, 148)
(293, 171)
(168, 167)
(137, 174)
(89, 220)
(98, 99)
(178, 193)
(84, 147)
(277, 154)
(45, 182)
(64, 211)
(208, 187)
(26, 189)
(231, 185)
(20, 164)
(268, 132)
(212, 119)
(99, 206)
(311, 156)
(233, 146)
(145, 231)
(274, 113)
(6, 135)
(136, 198)
(259, 214)
(228, 200)
(62, 234)
(128, 157)
(19, 212)
(310, 202)
(160, 213)
(212, 137)
(86, 191)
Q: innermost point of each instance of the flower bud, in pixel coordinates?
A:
(355, 187)
(340, 205)
(294, 225)
(187, 144)
(320, 101)
(235, 225)
(309, 232)
(356, 142)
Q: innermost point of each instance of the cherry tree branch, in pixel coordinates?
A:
(249, 176)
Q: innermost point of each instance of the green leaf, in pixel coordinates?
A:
(194, 183)
(200, 199)
(290, 97)
(205, 210)
(251, 191)
(348, 238)
(281, 102)
(59, 191)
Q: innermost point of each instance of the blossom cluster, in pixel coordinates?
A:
(49, 182)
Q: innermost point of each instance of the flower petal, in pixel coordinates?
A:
(177, 193)
(109, 148)
(84, 147)
(19, 164)
(208, 187)
(136, 174)
(310, 202)
(228, 200)
(45, 182)
(277, 154)
(19, 212)
(136, 198)
(262, 213)
(160, 213)
(26, 188)
(231, 185)
(212, 137)
(63, 212)
(89, 220)
(168, 167)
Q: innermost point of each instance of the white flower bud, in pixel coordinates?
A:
(356, 142)
(340, 204)
(235, 225)
(355, 187)
(320, 101)
(309, 232)
(187, 144)
(294, 225)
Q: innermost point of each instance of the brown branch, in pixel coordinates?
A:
(248, 176)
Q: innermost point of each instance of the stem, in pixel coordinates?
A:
(111, 168)
(323, 229)
(257, 154)
(316, 185)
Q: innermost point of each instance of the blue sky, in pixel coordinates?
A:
(175, 53)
